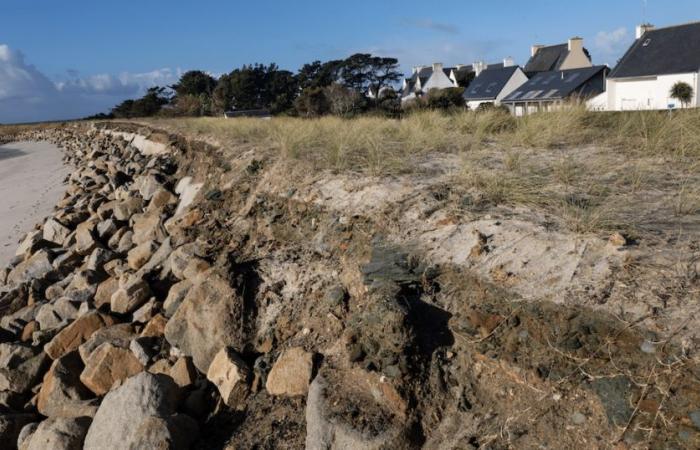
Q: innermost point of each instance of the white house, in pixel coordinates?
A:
(658, 58)
(570, 55)
(491, 85)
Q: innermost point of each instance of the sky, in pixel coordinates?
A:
(68, 59)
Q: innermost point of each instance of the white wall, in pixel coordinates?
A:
(516, 80)
(648, 93)
(438, 80)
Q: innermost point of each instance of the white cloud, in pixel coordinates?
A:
(429, 24)
(611, 44)
(28, 95)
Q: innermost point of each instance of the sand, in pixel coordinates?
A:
(31, 183)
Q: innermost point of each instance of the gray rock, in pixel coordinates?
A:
(614, 394)
(55, 232)
(21, 367)
(36, 267)
(119, 335)
(83, 286)
(10, 427)
(144, 348)
(62, 394)
(98, 258)
(58, 434)
(176, 295)
(132, 293)
(25, 434)
(55, 314)
(140, 414)
(30, 244)
(208, 319)
(695, 418)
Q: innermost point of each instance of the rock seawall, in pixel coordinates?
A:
(174, 301)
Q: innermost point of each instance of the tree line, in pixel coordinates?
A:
(332, 87)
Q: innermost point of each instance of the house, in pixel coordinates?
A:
(383, 92)
(571, 55)
(658, 58)
(493, 83)
(548, 91)
(436, 76)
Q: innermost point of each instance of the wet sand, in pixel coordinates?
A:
(31, 183)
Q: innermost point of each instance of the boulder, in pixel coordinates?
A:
(133, 292)
(148, 227)
(155, 327)
(62, 394)
(183, 372)
(11, 425)
(161, 198)
(85, 241)
(55, 232)
(125, 209)
(144, 348)
(83, 286)
(209, 317)
(146, 311)
(57, 434)
(176, 295)
(56, 314)
(139, 255)
(105, 291)
(231, 376)
(119, 335)
(36, 267)
(71, 337)
(291, 373)
(125, 419)
(98, 258)
(107, 365)
(29, 244)
(21, 367)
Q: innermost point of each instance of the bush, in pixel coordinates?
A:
(445, 98)
(343, 101)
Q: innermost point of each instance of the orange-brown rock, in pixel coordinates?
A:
(76, 333)
(291, 373)
(109, 364)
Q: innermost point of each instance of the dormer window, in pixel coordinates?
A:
(646, 42)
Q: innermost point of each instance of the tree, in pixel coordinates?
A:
(362, 70)
(148, 105)
(312, 102)
(445, 98)
(256, 86)
(195, 82)
(343, 101)
(319, 74)
(683, 92)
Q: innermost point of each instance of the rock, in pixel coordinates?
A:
(331, 407)
(176, 295)
(56, 314)
(30, 244)
(106, 229)
(55, 232)
(83, 286)
(98, 258)
(119, 335)
(62, 393)
(71, 337)
(85, 241)
(195, 270)
(695, 418)
(132, 293)
(155, 327)
(105, 291)
(144, 348)
(148, 185)
(25, 434)
(147, 311)
(161, 198)
(125, 243)
(29, 330)
(107, 365)
(183, 372)
(162, 366)
(117, 236)
(36, 267)
(148, 227)
(291, 373)
(139, 255)
(180, 258)
(209, 317)
(125, 417)
(58, 434)
(21, 367)
(159, 259)
(617, 240)
(231, 376)
(124, 210)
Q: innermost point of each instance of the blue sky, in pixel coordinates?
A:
(72, 58)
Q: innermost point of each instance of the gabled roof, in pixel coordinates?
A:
(489, 83)
(662, 51)
(549, 58)
(556, 85)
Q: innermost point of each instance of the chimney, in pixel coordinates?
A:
(643, 28)
(575, 43)
(508, 62)
(437, 67)
(535, 48)
(479, 67)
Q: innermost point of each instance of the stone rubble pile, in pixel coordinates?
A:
(114, 331)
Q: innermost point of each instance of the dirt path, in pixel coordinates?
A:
(31, 183)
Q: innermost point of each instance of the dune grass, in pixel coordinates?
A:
(592, 171)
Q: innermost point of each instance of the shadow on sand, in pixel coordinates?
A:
(9, 153)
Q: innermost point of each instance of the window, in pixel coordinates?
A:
(516, 95)
(549, 79)
(646, 42)
(490, 87)
(551, 93)
(572, 77)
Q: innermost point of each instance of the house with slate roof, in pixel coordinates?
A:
(571, 55)
(549, 91)
(494, 84)
(658, 58)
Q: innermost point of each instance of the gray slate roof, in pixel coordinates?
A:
(559, 84)
(549, 58)
(662, 51)
(489, 83)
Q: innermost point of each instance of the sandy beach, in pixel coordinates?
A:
(31, 183)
